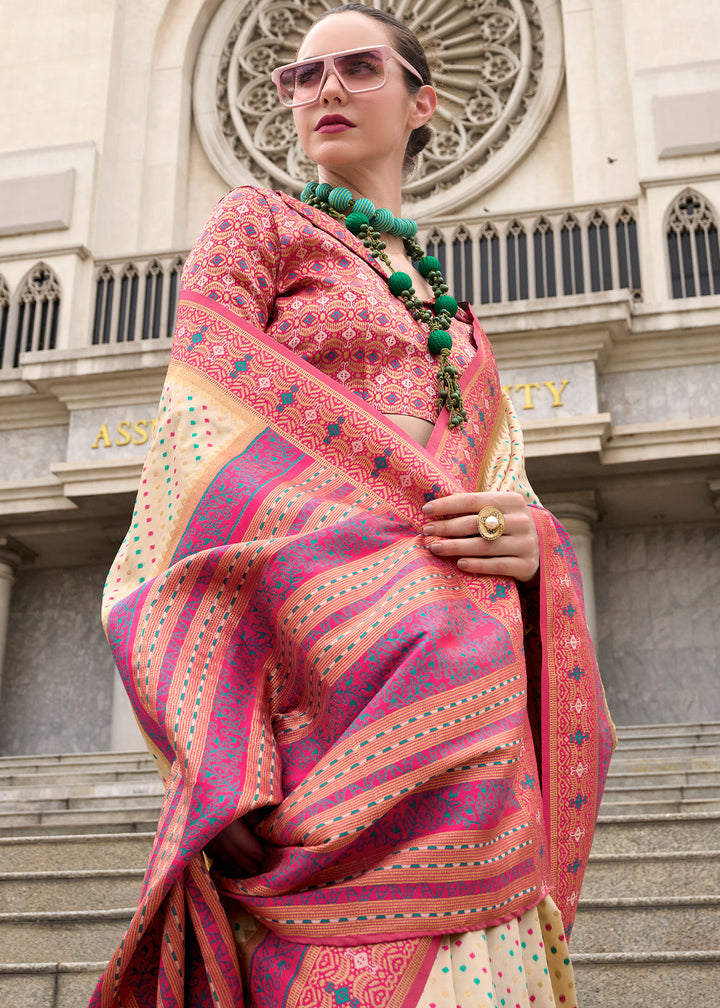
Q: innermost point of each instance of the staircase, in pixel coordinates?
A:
(75, 833)
(647, 933)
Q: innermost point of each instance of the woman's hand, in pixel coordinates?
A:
(515, 553)
(238, 850)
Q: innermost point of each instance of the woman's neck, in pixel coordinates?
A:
(384, 192)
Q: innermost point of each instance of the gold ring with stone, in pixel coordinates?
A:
(490, 523)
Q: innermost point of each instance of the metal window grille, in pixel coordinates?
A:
(102, 316)
(436, 247)
(463, 266)
(517, 264)
(693, 248)
(571, 255)
(628, 254)
(127, 308)
(4, 319)
(173, 292)
(152, 311)
(490, 275)
(599, 252)
(544, 250)
(38, 312)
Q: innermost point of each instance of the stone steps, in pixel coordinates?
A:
(652, 980)
(77, 852)
(88, 889)
(63, 935)
(48, 985)
(130, 819)
(647, 932)
(75, 841)
(621, 875)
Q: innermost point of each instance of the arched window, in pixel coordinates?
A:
(38, 312)
(627, 252)
(102, 316)
(4, 317)
(175, 275)
(462, 266)
(490, 283)
(436, 247)
(599, 250)
(693, 250)
(127, 309)
(544, 249)
(152, 311)
(516, 252)
(571, 252)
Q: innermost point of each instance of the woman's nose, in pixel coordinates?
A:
(332, 88)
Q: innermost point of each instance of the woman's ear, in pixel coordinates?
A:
(423, 108)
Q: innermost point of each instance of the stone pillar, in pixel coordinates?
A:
(578, 514)
(124, 732)
(12, 554)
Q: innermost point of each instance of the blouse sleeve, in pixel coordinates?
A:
(235, 260)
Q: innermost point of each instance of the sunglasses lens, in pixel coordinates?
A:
(301, 83)
(361, 71)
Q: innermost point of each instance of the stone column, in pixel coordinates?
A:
(577, 512)
(12, 554)
(125, 735)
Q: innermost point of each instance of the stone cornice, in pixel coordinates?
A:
(571, 436)
(51, 252)
(90, 479)
(134, 388)
(32, 410)
(614, 332)
(96, 376)
(31, 496)
(668, 440)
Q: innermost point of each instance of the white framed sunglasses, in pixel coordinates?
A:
(357, 70)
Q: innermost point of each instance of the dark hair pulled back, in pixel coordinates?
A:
(409, 47)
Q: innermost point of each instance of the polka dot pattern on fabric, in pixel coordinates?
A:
(507, 966)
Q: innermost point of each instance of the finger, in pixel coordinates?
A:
(471, 503)
(520, 568)
(464, 526)
(505, 546)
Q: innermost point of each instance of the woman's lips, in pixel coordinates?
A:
(333, 124)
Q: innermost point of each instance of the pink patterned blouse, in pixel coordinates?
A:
(307, 281)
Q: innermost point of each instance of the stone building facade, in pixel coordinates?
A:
(573, 191)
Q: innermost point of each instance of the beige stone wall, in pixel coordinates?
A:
(54, 72)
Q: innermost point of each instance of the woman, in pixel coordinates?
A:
(353, 638)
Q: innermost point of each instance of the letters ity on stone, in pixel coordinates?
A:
(497, 66)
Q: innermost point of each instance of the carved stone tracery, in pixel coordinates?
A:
(496, 65)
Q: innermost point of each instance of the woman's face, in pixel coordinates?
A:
(343, 130)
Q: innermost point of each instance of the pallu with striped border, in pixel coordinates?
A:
(423, 751)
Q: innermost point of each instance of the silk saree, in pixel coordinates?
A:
(423, 751)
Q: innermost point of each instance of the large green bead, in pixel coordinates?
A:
(438, 341)
(398, 283)
(365, 206)
(383, 220)
(355, 221)
(340, 199)
(446, 303)
(427, 264)
(407, 227)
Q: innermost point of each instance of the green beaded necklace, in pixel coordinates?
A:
(368, 224)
